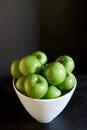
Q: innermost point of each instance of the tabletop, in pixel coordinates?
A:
(14, 116)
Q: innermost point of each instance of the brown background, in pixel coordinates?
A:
(53, 26)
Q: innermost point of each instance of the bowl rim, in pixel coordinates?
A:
(41, 99)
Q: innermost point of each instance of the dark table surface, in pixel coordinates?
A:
(14, 116)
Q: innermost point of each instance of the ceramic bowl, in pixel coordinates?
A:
(44, 110)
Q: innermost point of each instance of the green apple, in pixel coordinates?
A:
(68, 83)
(67, 61)
(15, 69)
(29, 64)
(54, 72)
(36, 86)
(41, 56)
(20, 84)
(53, 92)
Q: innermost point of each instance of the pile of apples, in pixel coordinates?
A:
(36, 78)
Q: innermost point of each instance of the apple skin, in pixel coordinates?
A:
(20, 84)
(53, 92)
(68, 83)
(15, 69)
(29, 64)
(35, 86)
(41, 56)
(54, 72)
(67, 61)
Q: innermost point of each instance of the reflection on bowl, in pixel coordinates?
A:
(44, 110)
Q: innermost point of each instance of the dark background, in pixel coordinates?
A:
(56, 27)
(53, 26)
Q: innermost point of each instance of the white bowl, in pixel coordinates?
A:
(44, 110)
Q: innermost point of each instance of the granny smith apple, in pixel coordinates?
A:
(52, 92)
(67, 61)
(15, 69)
(36, 86)
(41, 56)
(29, 64)
(68, 83)
(20, 84)
(54, 72)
